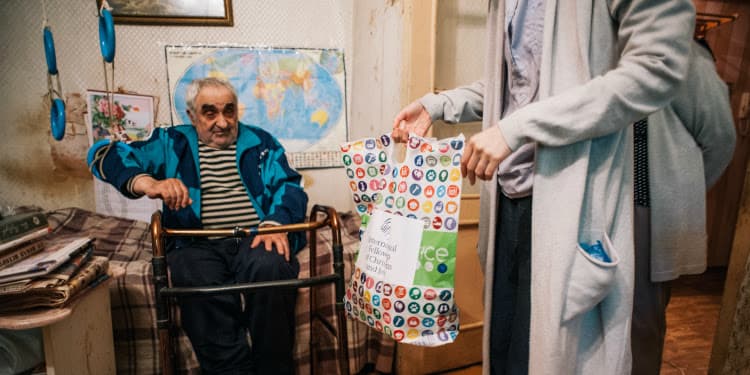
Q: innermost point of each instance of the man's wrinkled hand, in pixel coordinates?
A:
(413, 118)
(278, 240)
(483, 153)
(171, 190)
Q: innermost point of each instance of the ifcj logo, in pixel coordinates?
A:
(386, 226)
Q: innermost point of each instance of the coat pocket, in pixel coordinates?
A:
(590, 280)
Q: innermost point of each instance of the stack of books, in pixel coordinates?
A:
(44, 271)
(20, 236)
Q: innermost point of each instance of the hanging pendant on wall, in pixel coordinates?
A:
(57, 105)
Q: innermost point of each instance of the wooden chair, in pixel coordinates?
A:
(320, 217)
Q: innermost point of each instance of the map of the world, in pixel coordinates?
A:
(295, 94)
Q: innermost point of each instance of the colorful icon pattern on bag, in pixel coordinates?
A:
(397, 310)
(427, 187)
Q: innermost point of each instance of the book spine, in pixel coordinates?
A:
(5, 247)
(16, 226)
(20, 253)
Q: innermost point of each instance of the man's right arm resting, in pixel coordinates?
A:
(171, 190)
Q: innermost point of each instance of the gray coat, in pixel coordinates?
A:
(690, 143)
(605, 64)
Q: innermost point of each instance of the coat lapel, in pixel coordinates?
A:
(494, 62)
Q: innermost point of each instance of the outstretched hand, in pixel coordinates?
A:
(413, 118)
(171, 190)
(483, 153)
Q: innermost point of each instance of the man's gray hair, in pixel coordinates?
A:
(199, 84)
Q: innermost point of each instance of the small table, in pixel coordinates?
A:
(78, 336)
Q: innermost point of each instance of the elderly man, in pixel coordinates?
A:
(219, 173)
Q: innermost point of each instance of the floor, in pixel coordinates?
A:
(691, 322)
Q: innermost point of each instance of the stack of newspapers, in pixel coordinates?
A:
(40, 270)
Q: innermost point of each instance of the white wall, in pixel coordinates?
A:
(460, 56)
(368, 31)
(460, 42)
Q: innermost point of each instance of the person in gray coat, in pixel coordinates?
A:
(679, 154)
(564, 82)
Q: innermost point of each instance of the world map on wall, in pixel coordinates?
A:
(295, 94)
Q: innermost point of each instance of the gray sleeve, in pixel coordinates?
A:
(654, 37)
(703, 106)
(462, 104)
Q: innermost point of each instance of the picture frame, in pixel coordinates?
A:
(133, 116)
(133, 119)
(172, 12)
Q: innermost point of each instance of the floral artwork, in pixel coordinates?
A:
(121, 117)
(125, 118)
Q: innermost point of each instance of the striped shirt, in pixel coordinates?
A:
(224, 200)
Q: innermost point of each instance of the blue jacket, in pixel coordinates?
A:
(272, 185)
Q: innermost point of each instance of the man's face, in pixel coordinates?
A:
(215, 117)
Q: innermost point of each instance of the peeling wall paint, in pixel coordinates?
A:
(69, 154)
(29, 175)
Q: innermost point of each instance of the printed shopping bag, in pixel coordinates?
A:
(403, 279)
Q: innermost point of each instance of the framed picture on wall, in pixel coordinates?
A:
(126, 118)
(172, 12)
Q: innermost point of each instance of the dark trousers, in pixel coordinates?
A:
(650, 301)
(217, 326)
(511, 288)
